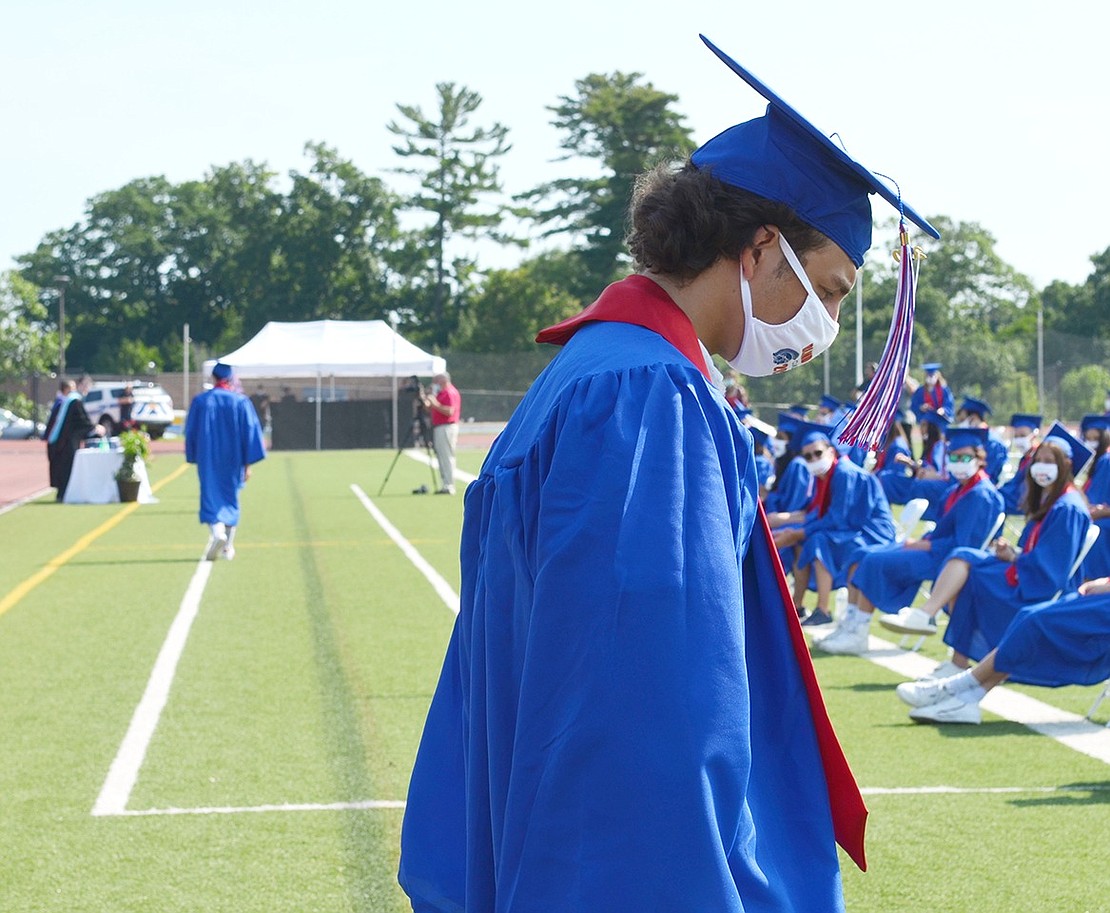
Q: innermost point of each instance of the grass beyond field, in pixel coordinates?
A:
(295, 682)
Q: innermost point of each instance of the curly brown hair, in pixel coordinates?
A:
(682, 220)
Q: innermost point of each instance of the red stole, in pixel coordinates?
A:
(934, 396)
(640, 301)
(962, 490)
(822, 492)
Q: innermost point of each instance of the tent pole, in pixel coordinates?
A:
(317, 410)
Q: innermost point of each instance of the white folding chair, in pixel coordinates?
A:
(1088, 543)
(998, 524)
(912, 512)
(1098, 700)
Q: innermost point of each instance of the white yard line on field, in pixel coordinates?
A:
(125, 768)
(285, 807)
(421, 457)
(442, 587)
(1069, 729)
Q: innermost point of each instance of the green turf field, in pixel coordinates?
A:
(272, 777)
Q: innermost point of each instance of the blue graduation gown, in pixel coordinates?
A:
(858, 515)
(764, 469)
(1060, 643)
(997, 455)
(601, 737)
(793, 492)
(917, 401)
(1013, 489)
(987, 603)
(223, 437)
(1097, 562)
(890, 575)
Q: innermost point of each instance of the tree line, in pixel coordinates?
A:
(244, 245)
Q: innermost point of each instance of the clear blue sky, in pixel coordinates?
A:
(984, 111)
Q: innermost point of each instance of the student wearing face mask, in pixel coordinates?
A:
(607, 730)
(1026, 436)
(1096, 434)
(973, 413)
(848, 513)
(888, 577)
(934, 395)
(984, 589)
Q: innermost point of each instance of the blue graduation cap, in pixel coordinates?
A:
(978, 406)
(781, 156)
(1101, 422)
(1026, 420)
(830, 402)
(788, 424)
(220, 371)
(959, 438)
(1079, 452)
(931, 367)
(810, 432)
(759, 436)
(936, 419)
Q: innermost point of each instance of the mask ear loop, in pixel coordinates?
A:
(871, 420)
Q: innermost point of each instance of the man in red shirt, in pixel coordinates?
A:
(445, 407)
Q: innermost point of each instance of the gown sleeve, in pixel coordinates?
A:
(1043, 570)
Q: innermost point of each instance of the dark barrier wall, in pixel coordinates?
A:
(343, 426)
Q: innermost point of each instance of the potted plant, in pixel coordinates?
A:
(135, 446)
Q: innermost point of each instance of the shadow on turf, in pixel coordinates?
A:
(1071, 794)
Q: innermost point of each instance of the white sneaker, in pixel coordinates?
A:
(923, 692)
(849, 639)
(910, 621)
(948, 710)
(228, 553)
(216, 545)
(945, 670)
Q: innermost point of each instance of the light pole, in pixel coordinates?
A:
(61, 282)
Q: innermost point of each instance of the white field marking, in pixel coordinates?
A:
(976, 790)
(27, 500)
(421, 457)
(125, 768)
(1069, 729)
(442, 587)
(287, 807)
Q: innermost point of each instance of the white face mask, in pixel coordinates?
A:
(772, 348)
(1023, 441)
(821, 466)
(1044, 474)
(778, 447)
(961, 472)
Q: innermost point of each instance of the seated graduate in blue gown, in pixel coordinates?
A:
(764, 463)
(794, 484)
(607, 733)
(973, 413)
(896, 454)
(1096, 432)
(985, 588)
(1051, 645)
(888, 577)
(904, 480)
(848, 512)
(1026, 436)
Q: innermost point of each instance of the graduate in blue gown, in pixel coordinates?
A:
(1050, 645)
(794, 484)
(887, 577)
(848, 513)
(627, 718)
(1095, 430)
(934, 395)
(986, 588)
(899, 478)
(1026, 436)
(223, 437)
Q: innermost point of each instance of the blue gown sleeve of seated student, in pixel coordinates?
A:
(969, 521)
(603, 737)
(1098, 491)
(1043, 570)
(997, 454)
(857, 507)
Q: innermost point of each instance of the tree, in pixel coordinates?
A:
(625, 127)
(459, 177)
(27, 345)
(514, 305)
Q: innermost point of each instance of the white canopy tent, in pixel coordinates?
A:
(331, 348)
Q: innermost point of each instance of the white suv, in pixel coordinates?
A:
(152, 408)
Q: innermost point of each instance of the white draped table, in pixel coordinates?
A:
(93, 480)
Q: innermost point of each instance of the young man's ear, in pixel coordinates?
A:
(766, 237)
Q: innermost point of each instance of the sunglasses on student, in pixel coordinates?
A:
(961, 457)
(814, 454)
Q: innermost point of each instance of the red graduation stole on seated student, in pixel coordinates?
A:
(1030, 543)
(822, 494)
(962, 490)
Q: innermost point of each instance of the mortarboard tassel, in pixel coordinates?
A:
(871, 420)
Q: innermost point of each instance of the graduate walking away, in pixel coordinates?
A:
(608, 729)
(223, 437)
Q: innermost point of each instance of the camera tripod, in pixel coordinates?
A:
(418, 429)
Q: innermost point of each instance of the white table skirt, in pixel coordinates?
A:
(93, 480)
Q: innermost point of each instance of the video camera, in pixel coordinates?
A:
(413, 385)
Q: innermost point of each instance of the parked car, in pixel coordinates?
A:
(15, 427)
(152, 408)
